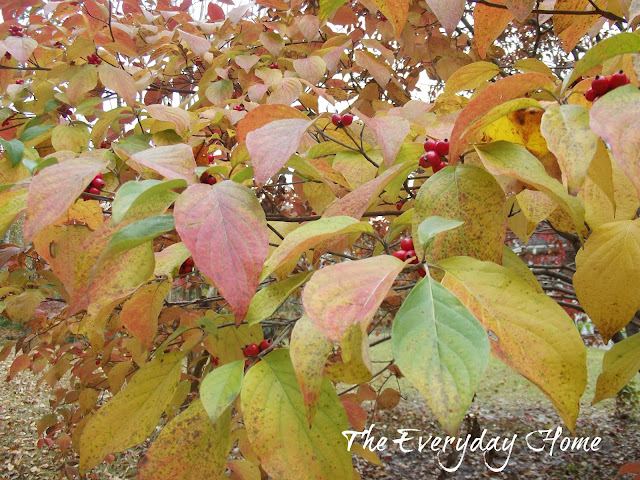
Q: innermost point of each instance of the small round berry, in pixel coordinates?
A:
(264, 344)
(422, 272)
(590, 95)
(104, 145)
(443, 147)
(239, 108)
(618, 80)
(98, 183)
(432, 158)
(423, 161)
(400, 255)
(211, 180)
(412, 254)
(439, 167)
(94, 191)
(336, 119)
(189, 262)
(245, 352)
(253, 349)
(204, 178)
(7, 55)
(313, 212)
(247, 364)
(406, 243)
(600, 85)
(399, 206)
(20, 81)
(430, 145)
(211, 157)
(99, 176)
(274, 66)
(347, 119)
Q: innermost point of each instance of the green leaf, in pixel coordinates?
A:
(274, 414)
(220, 388)
(509, 159)
(133, 413)
(442, 350)
(327, 7)
(432, 226)
(619, 44)
(14, 148)
(185, 450)
(135, 194)
(140, 232)
(619, 366)
(269, 299)
(34, 132)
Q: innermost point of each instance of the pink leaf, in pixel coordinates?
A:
(179, 117)
(389, 132)
(225, 229)
(520, 9)
(377, 68)
(216, 14)
(348, 293)
(119, 81)
(196, 44)
(170, 161)
(448, 12)
(20, 47)
(55, 189)
(271, 146)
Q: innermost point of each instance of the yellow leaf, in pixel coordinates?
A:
(550, 353)
(189, 447)
(396, 12)
(140, 313)
(619, 366)
(227, 344)
(130, 416)
(606, 266)
(355, 365)
(471, 76)
(75, 138)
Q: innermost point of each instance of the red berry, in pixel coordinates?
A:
(423, 161)
(264, 344)
(247, 364)
(189, 262)
(104, 145)
(412, 254)
(204, 178)
(211, 157)
(313, 212)
(99, 176)
(336, 119)
(245, 352)
(7, 55)
(188, 269)
(422, 272)
(400, 254)
(20, 81)
(347, 119)
(590, 95)
(94, 191)
(600, 85)
(239, 108)
(98, 183)
(211, 180)
(274, 66)
(439, 167)
(432, 158)
(618, 79)
(253, 349)
(406, 244)
(430, 145)
(399, 205)
(443, 147)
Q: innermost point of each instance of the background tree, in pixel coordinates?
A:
(187, 169)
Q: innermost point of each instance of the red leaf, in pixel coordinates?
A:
(629, 468)
(225, 229)
(55, 189)
(216, 14)
(19, 364)
(271, 146)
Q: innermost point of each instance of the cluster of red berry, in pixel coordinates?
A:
(435, 150)
(274, 66)
(406, 252)
(239, 108)
(8, 56)
(341, 120)
(16, 31)
(187, 266)
(197, 62)
(19, 81)
(64, 110)
(253, 350)
(94, 59)
(602, 84)
(208, 179)
(94, 187)
(104, 144)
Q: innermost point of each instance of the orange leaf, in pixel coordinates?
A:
(225, 229)
(140, 313)
(448, 12)
(489, 23)
(260, 116)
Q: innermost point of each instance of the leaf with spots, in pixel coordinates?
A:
(274, 413)
(349, 293)
(220, 388)
(140, 313)
(549, 352)
(269, 299)
(170, 161)
(131, 415)
(189, 447)
(225, 229)
(467, 194)
(441, 348)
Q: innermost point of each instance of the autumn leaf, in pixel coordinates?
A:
(274, 412)
(225, 229)
(269, 299)
(220, 388)
(349, 293)
(140, 313)
(55, 189)
(118, 80)
(170, 161)
(448, 12)
(619, 365)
